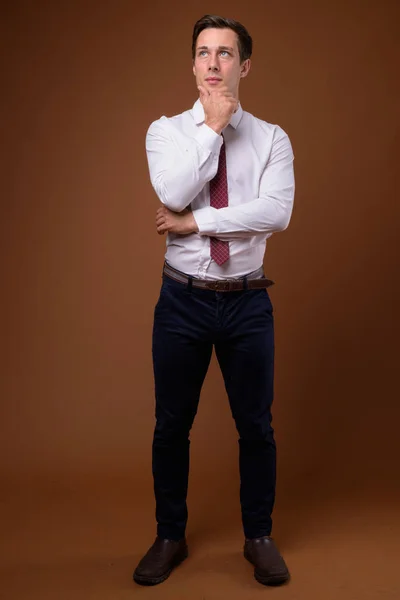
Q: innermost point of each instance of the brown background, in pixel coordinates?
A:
(81, 265)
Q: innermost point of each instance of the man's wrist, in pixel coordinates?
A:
(192, 223)
(214, 125)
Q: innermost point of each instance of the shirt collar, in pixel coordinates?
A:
(198, 114)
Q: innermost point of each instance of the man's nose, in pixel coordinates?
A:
(213, 66)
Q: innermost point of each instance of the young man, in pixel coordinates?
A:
(225, 181)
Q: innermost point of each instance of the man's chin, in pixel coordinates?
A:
(212, 86)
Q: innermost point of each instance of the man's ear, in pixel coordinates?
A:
(245, 67)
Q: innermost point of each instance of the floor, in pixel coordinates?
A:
(71, 539)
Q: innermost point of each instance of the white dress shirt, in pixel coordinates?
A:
(183, 154)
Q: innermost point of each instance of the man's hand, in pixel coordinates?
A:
(219, 106)
(181, 223)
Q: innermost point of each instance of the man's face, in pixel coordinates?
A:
(217, 60)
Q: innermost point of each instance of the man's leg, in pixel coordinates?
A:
(246, 356)
(181, 356)
(245, 352)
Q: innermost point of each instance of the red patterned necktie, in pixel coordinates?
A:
(219, 199)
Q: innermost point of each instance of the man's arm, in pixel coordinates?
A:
(180, 165)
(268, 213)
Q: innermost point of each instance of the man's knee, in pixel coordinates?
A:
(173, 429)
(255, 430)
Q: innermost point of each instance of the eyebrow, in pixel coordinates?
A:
(219, 48)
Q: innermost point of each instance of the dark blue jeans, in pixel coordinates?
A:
(188, 323)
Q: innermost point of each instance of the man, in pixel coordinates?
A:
(225, 181)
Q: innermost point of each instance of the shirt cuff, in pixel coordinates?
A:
(209, 139)
(205, 220)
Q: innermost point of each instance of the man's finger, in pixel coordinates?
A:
(203, 93)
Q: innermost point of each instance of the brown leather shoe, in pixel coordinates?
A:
(269, 566)
(157, 564)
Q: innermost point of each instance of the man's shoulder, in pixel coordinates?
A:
(164, 122)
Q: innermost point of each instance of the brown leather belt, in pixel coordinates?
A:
(252, 281)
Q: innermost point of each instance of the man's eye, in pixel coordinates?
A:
(202, 53)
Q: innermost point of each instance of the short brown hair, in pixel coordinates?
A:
(245, 43)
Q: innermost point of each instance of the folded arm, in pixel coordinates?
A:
(268, 213)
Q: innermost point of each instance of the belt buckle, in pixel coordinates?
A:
(222, 286)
